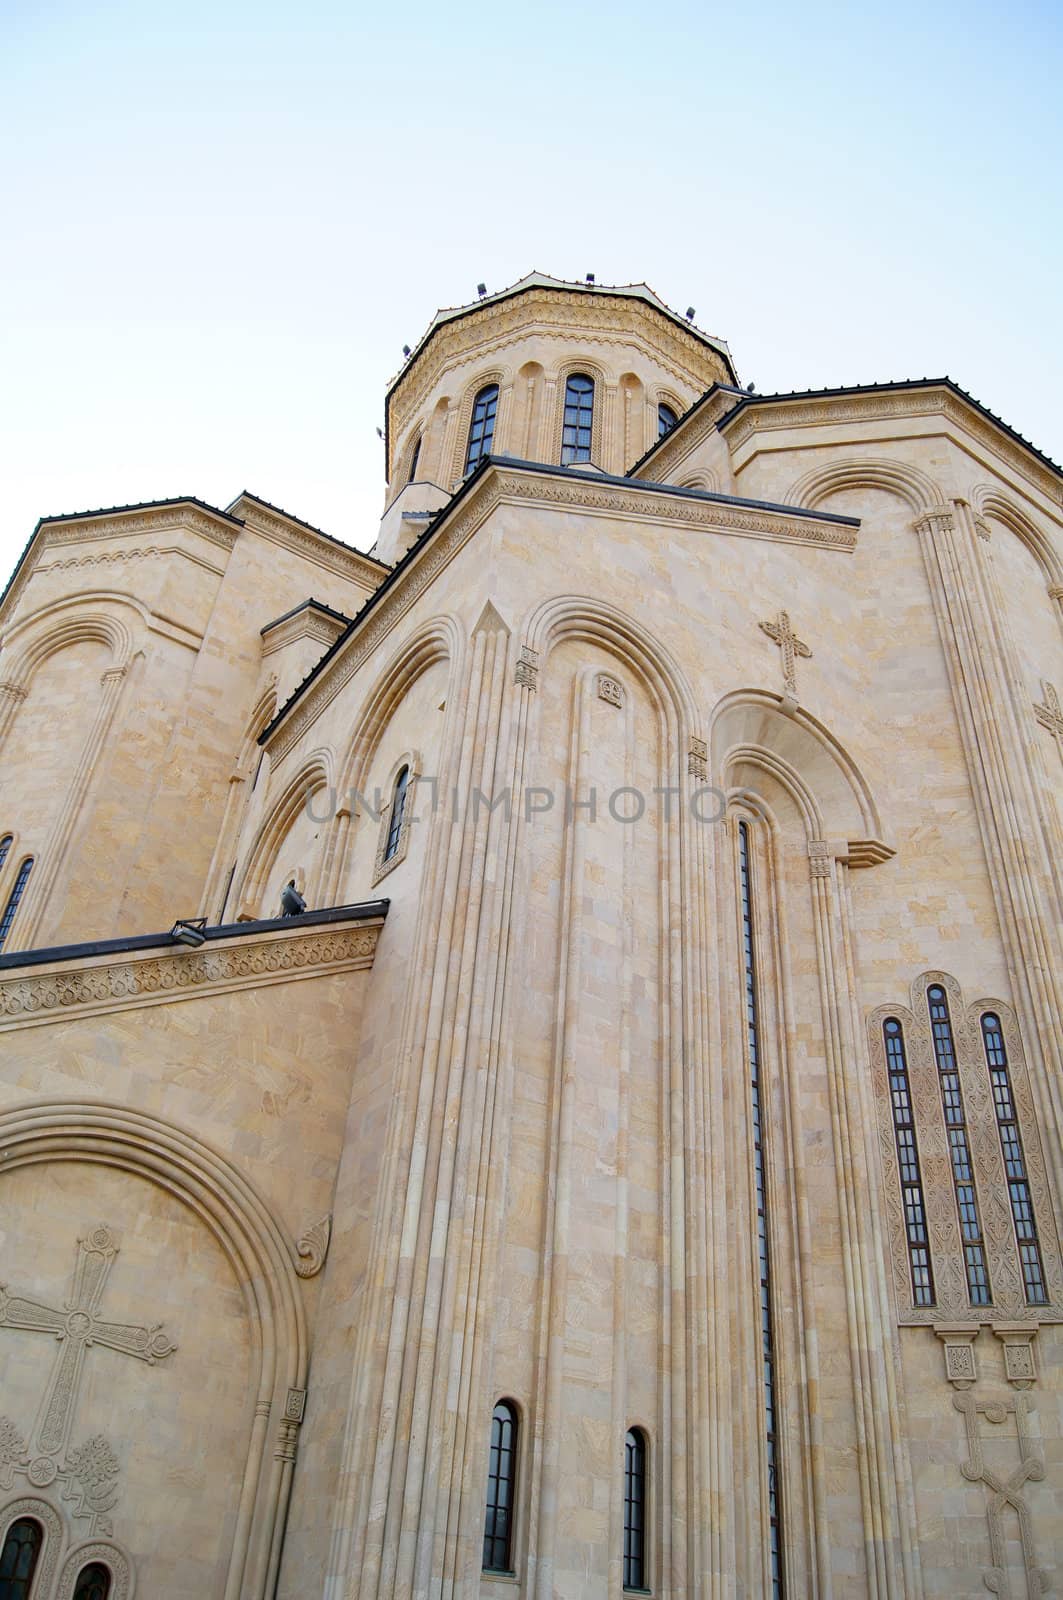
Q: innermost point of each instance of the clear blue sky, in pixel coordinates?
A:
(224, 221)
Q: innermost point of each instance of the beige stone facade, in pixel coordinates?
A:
(677, 812)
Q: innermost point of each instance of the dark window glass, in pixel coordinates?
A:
(398, 807)
(501, 1484)
(978, 1287)
(996, 1056)
(482, 426)
(666, 420)
(414, 460)
(579, 419)
(763, 1254)
(908, 1162)
(5, 846)
(94, 1582)
(19, 1557)
(635, 1509)
(12, 906)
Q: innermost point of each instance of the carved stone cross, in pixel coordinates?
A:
(1050, 715)
(790, 645)
(76, 1327)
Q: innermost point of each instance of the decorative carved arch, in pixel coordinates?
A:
(110, 1555)
(600, 379)
(256, 1248)
(439, 639)
(496, 374)
(750, 730)
(52, 628)
(919, 492)
(315, 773)
(651, 662)
(705, 479)
(988, 502)
(54, 1525)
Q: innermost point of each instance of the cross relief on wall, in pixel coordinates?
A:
(791, 646)
(87, 1474)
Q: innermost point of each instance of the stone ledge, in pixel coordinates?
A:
(117, 975)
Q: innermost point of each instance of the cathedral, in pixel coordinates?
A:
(531, 1057)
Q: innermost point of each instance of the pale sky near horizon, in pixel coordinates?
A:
(224, 221)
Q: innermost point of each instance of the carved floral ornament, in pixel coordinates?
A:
(178, 973)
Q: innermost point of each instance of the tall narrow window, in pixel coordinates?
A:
(5, 846)
(908, 1162)
(579, 419)
(398, 808)
(996, 1056)
(760, 1182)
(12, 906)
(978, 1290)
(19, 1557)
(482, 426)
(635, 1509)
(666, 420)
(414, 460)
(94, 1582)
(501, 1486)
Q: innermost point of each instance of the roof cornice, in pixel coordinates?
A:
(306, 540)
(504, 480)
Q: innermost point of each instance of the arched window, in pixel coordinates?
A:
(635, 1509)
(978, 1290)
(19, 1557)
(1022, 1214)
(5, 846)
(94, 1582)
(767, 1335)
(908, 1162)
(666, 420)
(579, 418)
(398, 808)
(501, 1487)
(12, 906)
(414, 459)
(482, 426)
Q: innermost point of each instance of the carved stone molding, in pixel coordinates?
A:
(307, 623)
(771, 416)
(310, 543)
(177, 974)
(311, 1247)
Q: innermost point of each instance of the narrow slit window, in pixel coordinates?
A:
(579, 419)
(13, 899)
(635, 1509)
(482, 426)
(414, 459)
(908, 1163)
(5, 846)
(19, 1558)
(974, 1257)
(501, 1485)
(398, 811)
(666, 420)
(1022, 1212)
(760, 1185)
(94, 1582)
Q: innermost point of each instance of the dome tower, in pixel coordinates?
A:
(582, 374)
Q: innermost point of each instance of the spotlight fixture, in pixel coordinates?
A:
(406, 350)
(481, 289)
(751, 388)
(690, 313)
(590, 277)
(380, 433)
(190, 931)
